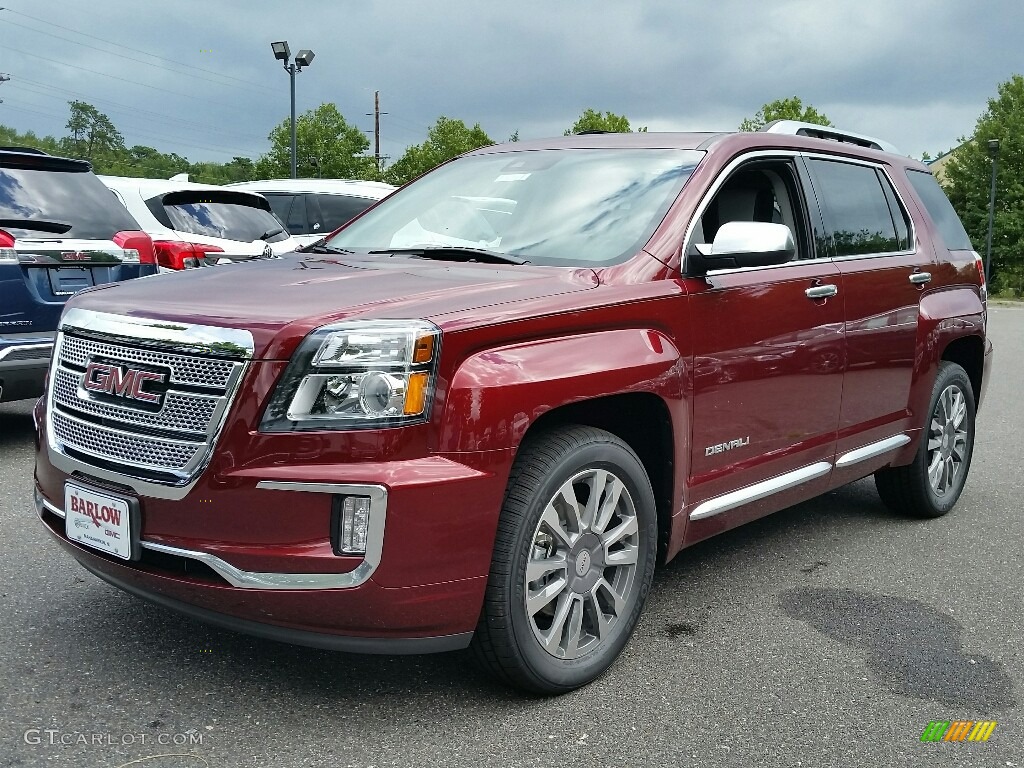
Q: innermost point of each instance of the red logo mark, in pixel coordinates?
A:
(98, 513)
(121, 381)
(75, 256)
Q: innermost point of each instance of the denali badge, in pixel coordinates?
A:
(121, 381)
(711, 450)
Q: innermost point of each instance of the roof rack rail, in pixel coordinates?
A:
(798, 128)
(25, 150)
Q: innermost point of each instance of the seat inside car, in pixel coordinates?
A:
(747, 196)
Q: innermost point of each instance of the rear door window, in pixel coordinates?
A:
(940, 210)
(212, 213)
(858, 209)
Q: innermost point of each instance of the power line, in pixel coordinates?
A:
(122, 79)
(131, 110)
(130, 58)
(136, 50)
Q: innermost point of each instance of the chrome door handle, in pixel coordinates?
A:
(920, 278)
(821, 291)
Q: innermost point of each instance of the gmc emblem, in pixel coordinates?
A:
(75, 256)
(121, 381)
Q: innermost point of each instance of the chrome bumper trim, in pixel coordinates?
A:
(872, 450)
(48, 347)
(236, 577)
(760, 490)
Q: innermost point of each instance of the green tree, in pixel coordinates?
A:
(446, 139)
(784, 109)
(93, 135)
(968, 177)
(592, 120)
(324, 140)
(9, 137)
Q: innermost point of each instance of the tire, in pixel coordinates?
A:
(591, 565)
(932, 483)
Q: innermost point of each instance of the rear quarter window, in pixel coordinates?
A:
(940, 210)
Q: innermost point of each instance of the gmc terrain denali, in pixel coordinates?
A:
(479, 413)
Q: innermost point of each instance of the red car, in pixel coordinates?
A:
(480, 413)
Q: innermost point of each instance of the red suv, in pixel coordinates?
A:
(482, 411)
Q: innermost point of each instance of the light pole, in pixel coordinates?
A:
(303, 58)
(993, 152)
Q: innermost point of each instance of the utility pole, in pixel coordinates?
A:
(4, 78)
(993, 152)
(376, 129)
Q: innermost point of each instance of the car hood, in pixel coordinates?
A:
(280, 300)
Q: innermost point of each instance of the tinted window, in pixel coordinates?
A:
(296, 221)
(899, 216)
(279, 204)
(941, 211)
(552, 207)
(216, 214)
(856, 211)
(337, 209)
(68, 197)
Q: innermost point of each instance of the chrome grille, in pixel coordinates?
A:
(184, 412)
(185, 369)
(114, 435)
(109, 444)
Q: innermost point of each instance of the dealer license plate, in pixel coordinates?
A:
(99, 521)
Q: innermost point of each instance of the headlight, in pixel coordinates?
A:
(357, 375)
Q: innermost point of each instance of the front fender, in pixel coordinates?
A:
(496, 394)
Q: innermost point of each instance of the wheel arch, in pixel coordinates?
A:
(969, 353)
(951, 326)
(641, 420)
(629, 382)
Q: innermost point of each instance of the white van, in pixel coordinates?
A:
(313, 208)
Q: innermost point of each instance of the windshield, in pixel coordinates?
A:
(62, 198)
(219, 214)
(575, 207)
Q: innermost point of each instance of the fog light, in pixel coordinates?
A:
(351, 522)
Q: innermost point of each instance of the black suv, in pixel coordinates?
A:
(61, 230)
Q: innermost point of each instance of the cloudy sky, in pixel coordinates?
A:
(198, 77)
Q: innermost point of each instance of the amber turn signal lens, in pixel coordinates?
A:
(424, 349)
(416, 394)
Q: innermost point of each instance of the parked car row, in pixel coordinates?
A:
(313, 208)
(62, 231)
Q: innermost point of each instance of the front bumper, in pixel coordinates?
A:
(254, 555)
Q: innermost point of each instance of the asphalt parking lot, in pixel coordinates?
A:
(829, 634)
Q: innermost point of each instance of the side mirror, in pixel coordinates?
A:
(743, 244)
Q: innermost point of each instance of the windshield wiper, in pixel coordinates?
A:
(453, 252)
(320, 248)
(271, 233)
(40, 225)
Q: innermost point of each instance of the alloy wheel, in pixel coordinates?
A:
(582, 564)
